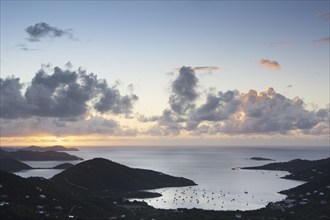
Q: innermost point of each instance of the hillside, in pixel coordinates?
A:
(101, 174)
(309, 200)
(38, 198)
(12, 165)
(63, 166)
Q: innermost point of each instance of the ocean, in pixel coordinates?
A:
(219, 186)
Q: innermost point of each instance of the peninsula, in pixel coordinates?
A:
(23, 155)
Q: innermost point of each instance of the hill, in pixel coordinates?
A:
(38, 198)
(52, 148)
(100, 174)
(12, 165)
(309, 200)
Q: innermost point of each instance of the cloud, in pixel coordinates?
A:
(42, 30)
(206, 68)
(62, 93)
(235, 113)
(12, 103)
(111, 100)
(268, 112)
(24, 47)
(323, 40)
(273, 65)
(217, 107)
(57, 127)
(184, 91)
(66, 102)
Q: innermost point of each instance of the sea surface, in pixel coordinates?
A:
(220, 187)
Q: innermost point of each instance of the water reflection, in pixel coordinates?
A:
(209, 167)
(252, 193)
(45, 173)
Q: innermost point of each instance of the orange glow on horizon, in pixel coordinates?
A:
(46, 140)
(180, 140)
(76, 141)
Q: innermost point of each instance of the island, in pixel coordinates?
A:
(261, 158)
(51, 148)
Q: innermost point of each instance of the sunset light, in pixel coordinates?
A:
(183, 109)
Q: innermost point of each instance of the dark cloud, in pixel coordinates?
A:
(42, 30)
(111, 100)
(184, 91)
(12, 103)
(273, 65)
(183, 113)
(217, 107)
(62, 94)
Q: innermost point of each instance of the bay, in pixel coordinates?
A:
(219, 186)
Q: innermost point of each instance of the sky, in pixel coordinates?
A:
(227, 73)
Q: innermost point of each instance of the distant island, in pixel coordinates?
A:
(23, 155)
(261, 158)
(51, 148)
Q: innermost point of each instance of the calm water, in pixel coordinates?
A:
(219, 187)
